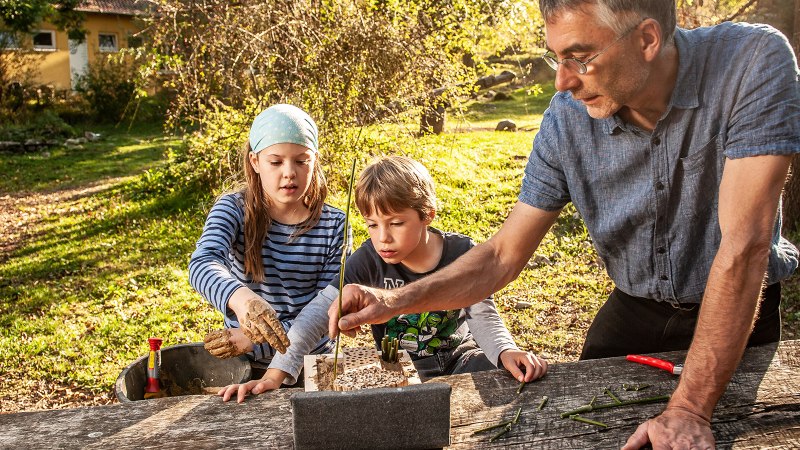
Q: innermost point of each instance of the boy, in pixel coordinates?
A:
(396, 197)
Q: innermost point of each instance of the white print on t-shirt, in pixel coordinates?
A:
(389, 283)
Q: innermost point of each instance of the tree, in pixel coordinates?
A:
(21, 16)
(348, 63)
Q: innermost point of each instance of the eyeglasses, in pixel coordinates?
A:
(578, 65)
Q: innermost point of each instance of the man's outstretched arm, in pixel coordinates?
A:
(480, 272)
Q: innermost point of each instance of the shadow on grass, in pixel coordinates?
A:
(81, 252)
(522, 102)
(60, 167)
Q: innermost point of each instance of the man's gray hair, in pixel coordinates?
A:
(620, 15)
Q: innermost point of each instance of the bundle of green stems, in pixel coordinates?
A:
(390, 349)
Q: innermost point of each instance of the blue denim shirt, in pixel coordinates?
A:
(650, 199)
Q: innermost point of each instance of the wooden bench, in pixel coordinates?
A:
(761, 408)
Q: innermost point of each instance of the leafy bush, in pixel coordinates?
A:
(348, 64)
(44, 125)
(74, 110)
(109, 86)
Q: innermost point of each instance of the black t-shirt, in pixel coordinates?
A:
(422, 334)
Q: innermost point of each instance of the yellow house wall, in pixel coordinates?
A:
(53, 69)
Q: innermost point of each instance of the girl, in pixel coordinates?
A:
(269, 248)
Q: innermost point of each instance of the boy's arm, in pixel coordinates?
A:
(488, 329)
(306, 331)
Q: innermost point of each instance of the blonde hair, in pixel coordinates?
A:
(393, 183)
(257, 219)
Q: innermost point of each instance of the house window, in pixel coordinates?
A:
(8, 41)
(44, 40)
(108, 42)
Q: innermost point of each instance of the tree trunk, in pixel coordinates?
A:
(433, 119)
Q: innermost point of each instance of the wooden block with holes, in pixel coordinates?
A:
(359, 368)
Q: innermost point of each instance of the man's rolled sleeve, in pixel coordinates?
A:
(766, 116)
(544, 184)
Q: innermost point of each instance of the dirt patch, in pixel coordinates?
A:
(22, 212)
(195, 386)
(31, 395)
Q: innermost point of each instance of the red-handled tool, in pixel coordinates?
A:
(672, 368)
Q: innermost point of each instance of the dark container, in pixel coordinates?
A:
(408, 417)
(186, 366)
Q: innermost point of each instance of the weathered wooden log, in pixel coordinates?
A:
(493, 80)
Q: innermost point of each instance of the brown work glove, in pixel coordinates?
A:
(260, 324)
(220, 344)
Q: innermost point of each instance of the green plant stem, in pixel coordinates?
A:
(504, 431)
(516, 416)
(492, 427)
(505, 424)
(589, 421)
(611, 394)
(345, 246)
(542, 403)
(589, 408)
(521, 386)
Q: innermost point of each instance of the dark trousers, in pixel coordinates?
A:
(627, 324)
(465, 358)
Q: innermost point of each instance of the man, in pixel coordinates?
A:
(674, 146)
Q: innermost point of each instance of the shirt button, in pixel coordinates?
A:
(656, 141)
(659, 185)
(661, 250)
(664, 278)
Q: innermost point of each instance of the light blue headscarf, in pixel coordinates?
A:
(281, 124)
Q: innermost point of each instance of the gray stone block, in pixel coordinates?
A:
(416, 416)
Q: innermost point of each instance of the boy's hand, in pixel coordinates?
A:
(227, 343)
(261, 324)
(532, 366)
(271, 380)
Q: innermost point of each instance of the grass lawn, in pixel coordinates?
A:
(88, 271)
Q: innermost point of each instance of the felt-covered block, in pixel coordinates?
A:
(414, 416)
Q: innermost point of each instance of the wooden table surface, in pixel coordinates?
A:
(761, 409)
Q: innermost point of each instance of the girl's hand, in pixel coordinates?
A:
(524, 366)
(271, 380)
(261, 324)
(227, 343)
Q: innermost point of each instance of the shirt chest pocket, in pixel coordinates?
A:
(697, 180)
(703, 158)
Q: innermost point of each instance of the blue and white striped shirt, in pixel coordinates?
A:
(294, 272)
